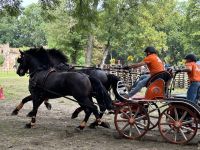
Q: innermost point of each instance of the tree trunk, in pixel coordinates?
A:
(88, 55)
(74, 57)
(105, 53)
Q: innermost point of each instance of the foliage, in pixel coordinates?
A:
(11, 7)
(25, 30)
(62, 33)
(130, 58)
(112, 61)
(122, 27)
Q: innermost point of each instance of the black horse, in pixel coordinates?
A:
(47, 83)
(59, 61)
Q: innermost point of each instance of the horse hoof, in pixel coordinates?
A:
(104, 124)
(93, 125)
(48, 106)
(15, 112)
(30, 114)
(80, 127)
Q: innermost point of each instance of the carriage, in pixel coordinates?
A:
(176, 118)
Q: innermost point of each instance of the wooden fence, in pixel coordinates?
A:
(129, 76)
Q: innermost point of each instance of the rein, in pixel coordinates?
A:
(118, 69)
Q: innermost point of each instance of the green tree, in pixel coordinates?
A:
(63, 34)
(24, 30)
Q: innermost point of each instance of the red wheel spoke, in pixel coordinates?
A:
(183, 134)
(183, 116)
(130, 131)
(130, 110)
(187, 122)
(141, 124)
(137, 129)
(169, 116)
(176, 113)
(188, 129)
(125, 114)
(175, 136)
(140, 118)
(122, 120)
(136, 113)
(168, 131)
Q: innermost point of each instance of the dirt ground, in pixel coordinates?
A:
(56, 130)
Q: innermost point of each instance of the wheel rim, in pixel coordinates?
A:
(177, 124)
(131, 123)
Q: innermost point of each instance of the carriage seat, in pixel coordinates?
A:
(165, 75)
(157, 85)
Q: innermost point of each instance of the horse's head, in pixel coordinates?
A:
(33, 60)
(23, 64)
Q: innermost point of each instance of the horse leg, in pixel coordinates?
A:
(89, 108)
(47, 104)
(87, 113)
(76, 112)
(24, 100)
(102, 110)
(36, 104)
(87, 116)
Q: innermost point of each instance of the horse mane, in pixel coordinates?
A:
(57, 54)
(41, 55)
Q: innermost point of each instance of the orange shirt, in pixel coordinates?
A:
(154, 64)
(194, 75)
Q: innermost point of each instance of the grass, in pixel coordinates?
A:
(6, 74)
(14, 87)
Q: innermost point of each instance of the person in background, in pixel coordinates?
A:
(193, 71)
(153, 63)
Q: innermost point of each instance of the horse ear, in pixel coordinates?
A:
(21, 52)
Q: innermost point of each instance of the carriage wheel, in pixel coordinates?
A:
(177, 124)
(131, 121)
(154, 114)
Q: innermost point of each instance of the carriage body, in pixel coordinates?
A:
(176, 117)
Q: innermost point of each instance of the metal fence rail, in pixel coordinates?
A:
(129, 76)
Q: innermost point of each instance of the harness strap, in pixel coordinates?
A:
(51, 70)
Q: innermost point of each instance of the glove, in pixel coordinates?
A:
(126, 67)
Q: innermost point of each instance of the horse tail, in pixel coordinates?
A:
(100, 93)
(112, 83)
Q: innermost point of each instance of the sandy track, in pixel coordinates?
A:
(55, 130)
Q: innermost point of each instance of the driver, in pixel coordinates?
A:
(193, 71)
(154, 65)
